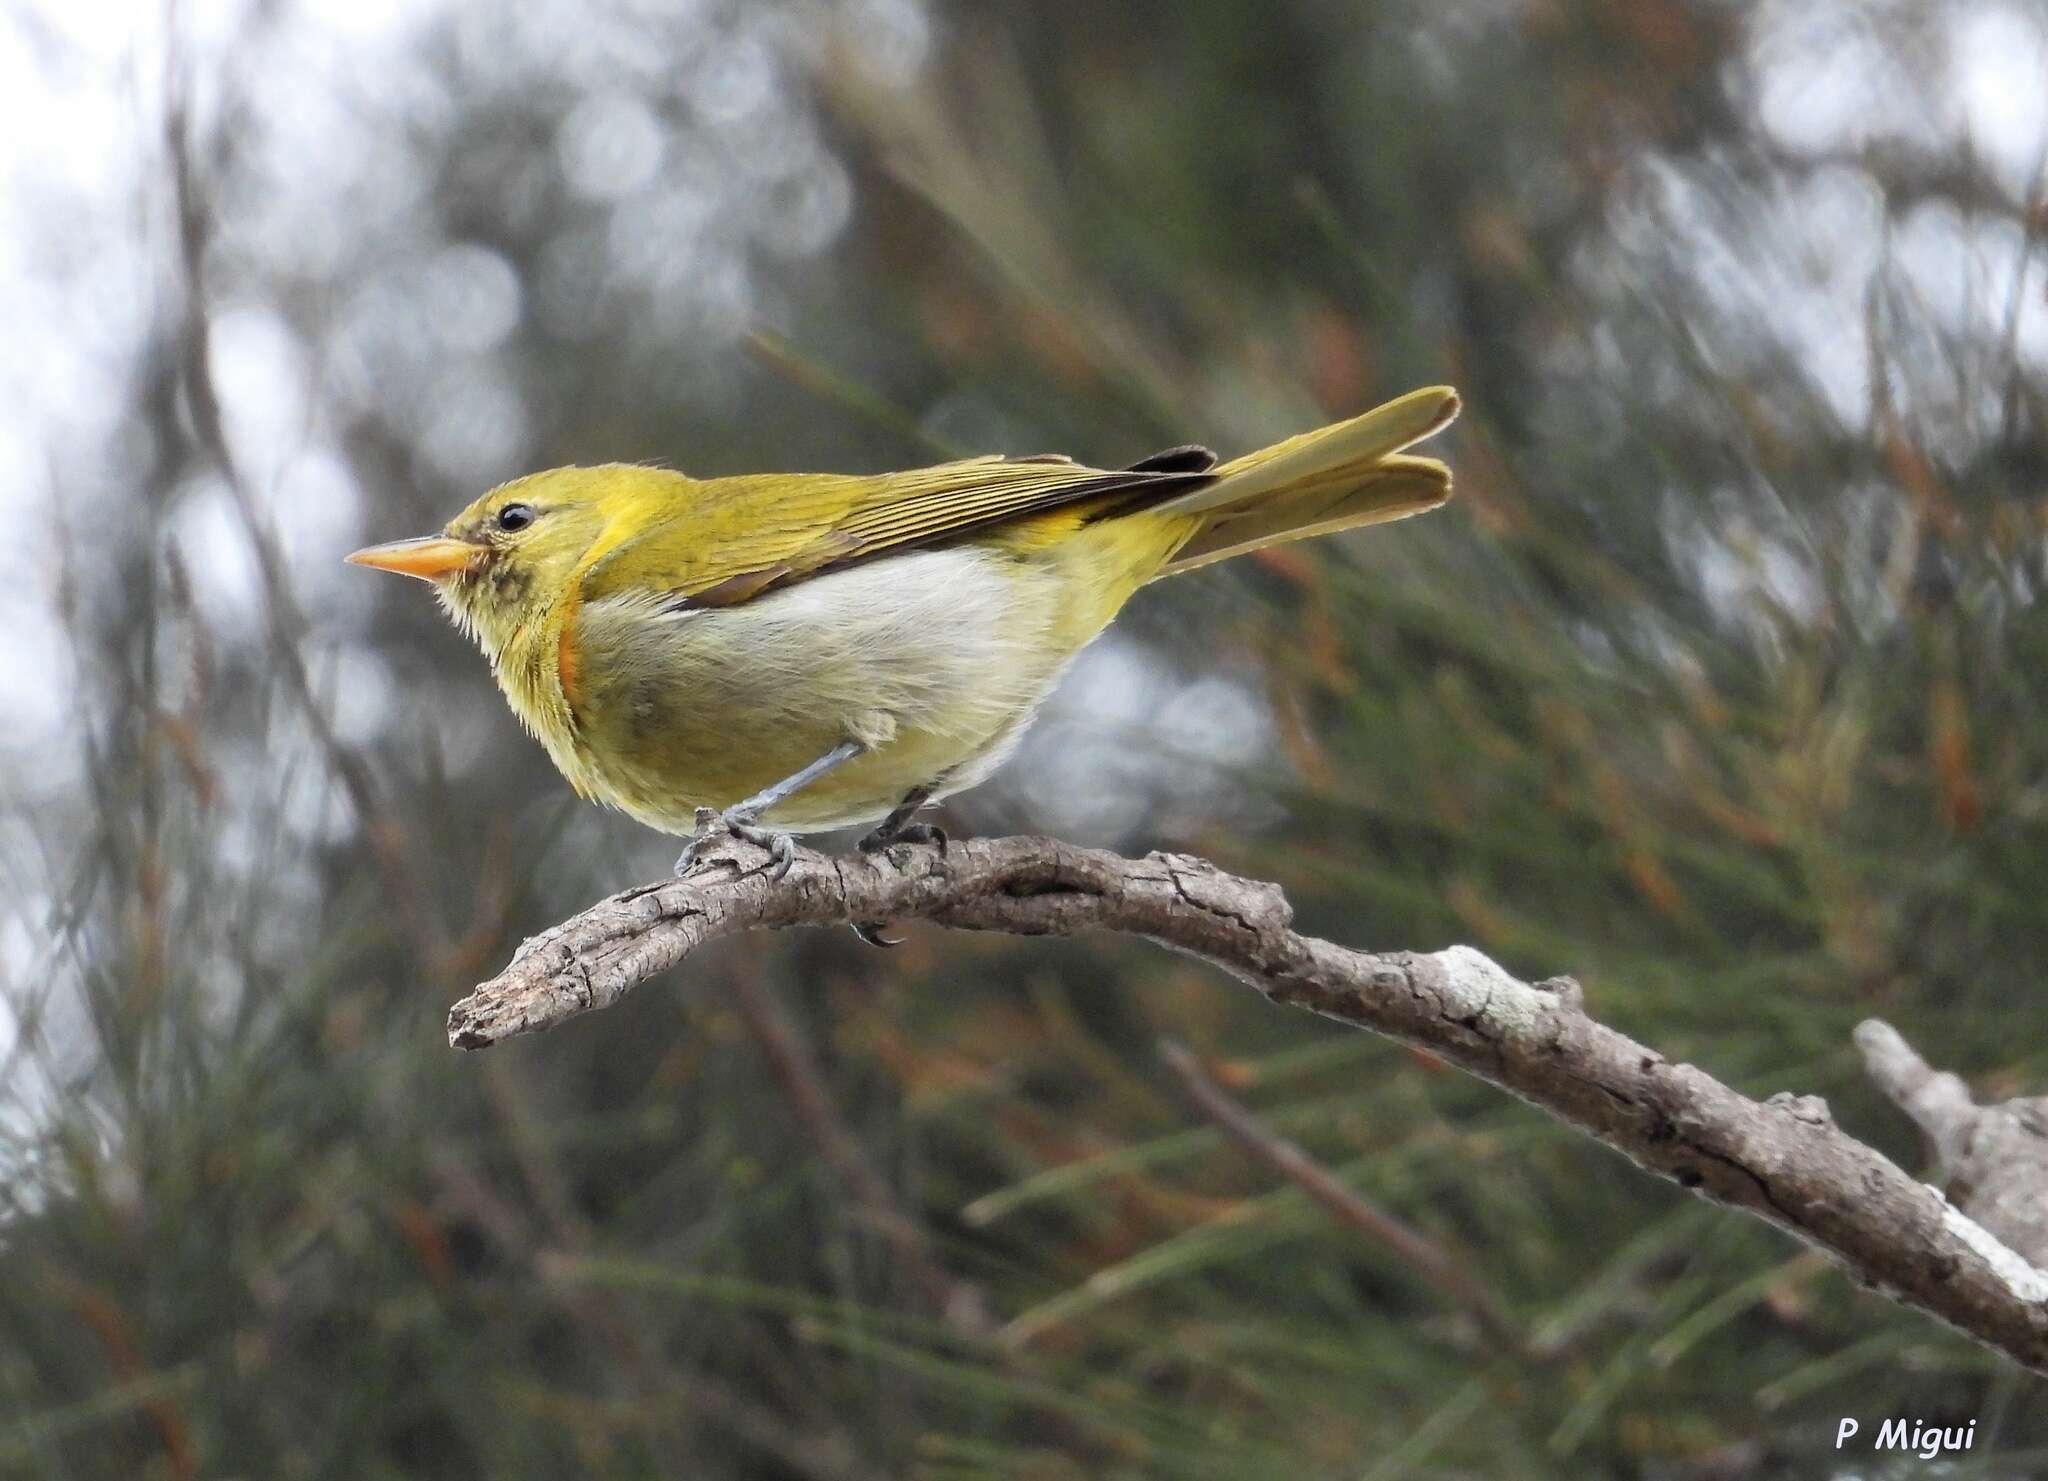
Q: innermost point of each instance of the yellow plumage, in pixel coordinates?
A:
(679, 643)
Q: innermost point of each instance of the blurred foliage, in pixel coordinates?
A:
(1713, 688)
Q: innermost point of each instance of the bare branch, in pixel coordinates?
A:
(1782, 1160)
(1992, 1160)
(1938, 1102)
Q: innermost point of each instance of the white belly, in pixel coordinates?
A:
(936, 660)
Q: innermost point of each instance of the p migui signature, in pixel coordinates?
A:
(1926, 1440)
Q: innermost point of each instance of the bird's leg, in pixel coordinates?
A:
(742, 819)
(898, 828)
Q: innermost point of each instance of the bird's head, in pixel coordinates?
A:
(505, 558)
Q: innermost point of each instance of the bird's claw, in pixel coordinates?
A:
(870, 931)
(880, 839)
(929, 833)
(781, 847)
(885, 837)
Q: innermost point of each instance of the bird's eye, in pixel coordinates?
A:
(515, 516)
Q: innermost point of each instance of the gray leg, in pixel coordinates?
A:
(767, 797)
(741, 819)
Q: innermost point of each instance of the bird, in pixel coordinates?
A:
(797, 652)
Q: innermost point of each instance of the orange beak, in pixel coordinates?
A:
(431, 557)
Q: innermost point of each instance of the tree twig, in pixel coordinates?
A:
(1782, 1160)
(1345, 1204)
(1992, 1160)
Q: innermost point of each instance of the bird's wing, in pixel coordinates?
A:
(728, 540)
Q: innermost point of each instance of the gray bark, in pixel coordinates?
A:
(1782, 1160)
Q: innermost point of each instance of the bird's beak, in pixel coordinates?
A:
(431, 557)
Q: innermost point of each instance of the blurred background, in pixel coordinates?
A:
(1718, 686)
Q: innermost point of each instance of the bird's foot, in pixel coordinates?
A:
(740, 824)
(884, 836)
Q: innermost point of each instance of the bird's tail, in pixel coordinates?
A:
(1352, 473)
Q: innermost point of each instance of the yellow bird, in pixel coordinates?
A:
(806, 651)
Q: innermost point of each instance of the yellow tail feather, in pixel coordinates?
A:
(1330, 479)
(1394, 489)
